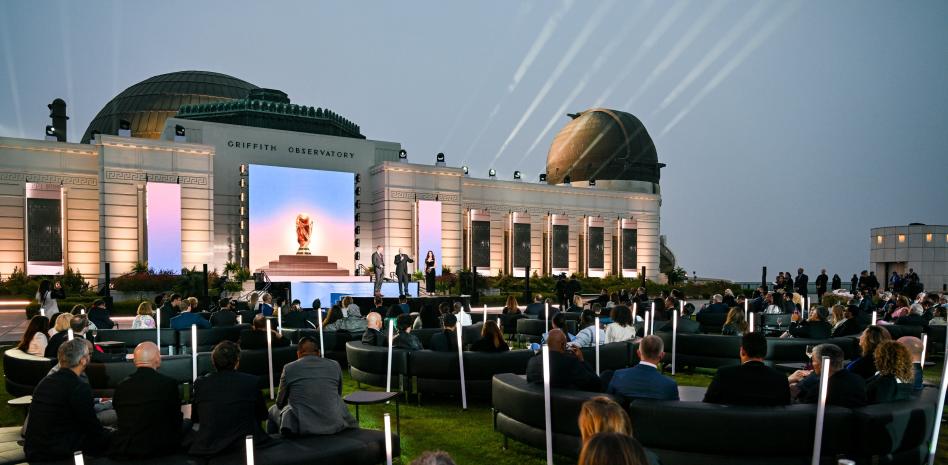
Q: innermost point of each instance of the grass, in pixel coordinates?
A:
(467, 435)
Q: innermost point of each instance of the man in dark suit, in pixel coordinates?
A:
(225, 316)
(99, 315)
(62, 417)
(169, 310)
(446, 340)
(373, 330)
(536, 309)
(644, 380)
(821, 282)
(255, 338)
(573, 287)
(227, 405)
(851, 325)
(846, 389)
(686, 323)
(402, 273)
(378, 263)
(148, 409)
(716, 306)
(751, 382)
(568, 370)
(801, 283)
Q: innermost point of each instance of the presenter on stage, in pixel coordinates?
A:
(378, 262)
(401, 272)
(430, 273)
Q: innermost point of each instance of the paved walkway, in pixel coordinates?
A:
(13, 323)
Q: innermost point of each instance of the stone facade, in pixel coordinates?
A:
(923, 248)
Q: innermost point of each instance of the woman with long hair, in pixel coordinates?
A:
(601, 414)
(254, 302)
(492, 339)
(896, 376)
(144, 317)
(837, 316)
(428, 317)
(510, 314)
(865, 364)
(47, 296)
(734, 324)
(612, 449)
(34, 340)
(621, 328)
(430, 273)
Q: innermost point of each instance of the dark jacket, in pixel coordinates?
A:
(536, 308)
(881, 389)
(372, 337)
(184, 320)
(849, 327)
(54, 342)
(62, 419)
(407, 341)
(223, 318)
(168, 312)
(846, 389)
(801, 283)
(811, 329)
(254, 340)
(100, 317)
(228, 406)
(864, 366)
(445, 341)
(485, 344)
(149, 416)
(298, 319)
(401, 264)
(715, 308)
(566, 371)
(752, 383)
(821, 282)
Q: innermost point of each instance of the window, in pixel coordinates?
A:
(928, 237)
(901, 238)
(879, 240)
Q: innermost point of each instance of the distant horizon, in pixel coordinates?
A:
(789, 129)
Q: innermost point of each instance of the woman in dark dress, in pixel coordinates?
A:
(865, 364)
(430, 273)
(895, 376)
(492, 339)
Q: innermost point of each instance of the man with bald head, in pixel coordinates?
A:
(915, 347)
(373, 331)
(568, 370)
(148, 409)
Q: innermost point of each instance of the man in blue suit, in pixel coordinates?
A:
(644, 381)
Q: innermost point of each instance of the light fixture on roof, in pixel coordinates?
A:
(516, 175)
(465, 169)
(592, 182)
(542, 177)
(50, 133)
(492, 173)
(179, 133)
(567, 180)
(403, 156)
(439, 159)
(125, 128)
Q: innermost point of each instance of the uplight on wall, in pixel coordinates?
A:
(928, 237)
(901, 238)
(879, 240)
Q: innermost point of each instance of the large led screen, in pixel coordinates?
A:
(595, 248)
(560, 246)
(301, 210)
(521, 245)
(163, 225)
(44, 229)
(429, 233)
(629, 250)
(480, 244)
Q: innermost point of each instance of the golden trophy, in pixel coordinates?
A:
(304, 229)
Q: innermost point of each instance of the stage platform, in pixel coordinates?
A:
(325, 290)
(366, 304)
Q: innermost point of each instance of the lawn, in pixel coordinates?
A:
(467, 435)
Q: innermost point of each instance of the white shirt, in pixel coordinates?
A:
(49, 306)
(38, 345)
(464, 318)
(648, 364)
(617, 333)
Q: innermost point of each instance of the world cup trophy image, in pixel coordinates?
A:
(304, 229)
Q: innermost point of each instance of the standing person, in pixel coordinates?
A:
(430, 273)
(821, 281)
(401, 272)
(573, 287)
(378, 265)
(854, 283)
(560, 289)
(47, 294)
(895, 283)
(837, 283)
(801, 283)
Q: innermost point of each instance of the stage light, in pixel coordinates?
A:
(243, 182)
(357, 255)
(439, 159)
(357, 242)
(358, 178)
(95, 134)
(492, 173)
(358, 190)
(464, 168)
(516, 175)
(542, 177)
(358, 229)
(402, 155)
(178, 130)
(50, 131)
(357, 217)
(592, 182)
(567, 180)
(358, 204)
(243, 169)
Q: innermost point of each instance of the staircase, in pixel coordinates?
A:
(304, 265)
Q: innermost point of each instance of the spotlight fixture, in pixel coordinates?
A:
(179, 130)
(358, 229)
(51, 133)
(402, 155)
(358, 190)
(516, 175)
(542, 177)
(464, 168)
(243, 169)
(592, 182)
(439, 159)
(357, 242)
(357, 217)
(357, 255)
(567, 180)
(492, 173)
(358, 204)
(358, 178)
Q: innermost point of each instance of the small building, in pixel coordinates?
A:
(922, 248)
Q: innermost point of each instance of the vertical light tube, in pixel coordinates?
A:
(645, 324)
(924, 349)
(42, 311)
(240, 319)
(635, 309)
(746, 308)
(77, 458)
(939, 411)
(248, 447)
(280, 319)
(322, 348)
(388, 371)
(270, 358)
(751, 323)
(597, 345)
(457, 330)
(194, 353)
(387, 420)
(485, 314)
(651, 325)
(874, 316)
(546, 314)
(71, 334)
(674, 337)
(158, 329)
(546, 405)
(821, 410)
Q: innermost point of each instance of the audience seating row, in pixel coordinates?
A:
(695, 432)
(715, 350)
(179, 340)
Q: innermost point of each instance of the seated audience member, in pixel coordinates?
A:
(915, 347)
(576, 305)
(816, 327)
(59, 324)
(601, 414)
(351, 323)
(447, 339)
(403, 304)
(297, 318)
(351, 309)
(612, 449)
(622, 327)
(772, 303)
(437, 457)
(62, 417)
(255, 338)
(865, 364)
(34, 340)
(717, 305)
(492, 339)
(938, 317)
(568, 370)
(373, 330)
(558, 321)
(464, 318)
(895, 378)
(644, 380)
(729, 299)
(76, 323)
(686, 322)
(734, 324)
(849, 325)
(144, 317)
(227, 406)
(846, 389)
(537, 308)
(309, 400)
(148, 408)
(510, 314)
(751, 382)
(586, 337)
(169, 309)
(225, 316)
(428, 318)
(405, 339)
(915, 316)
(189, 317)
(99, 315)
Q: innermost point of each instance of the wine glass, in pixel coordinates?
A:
(809, 356)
